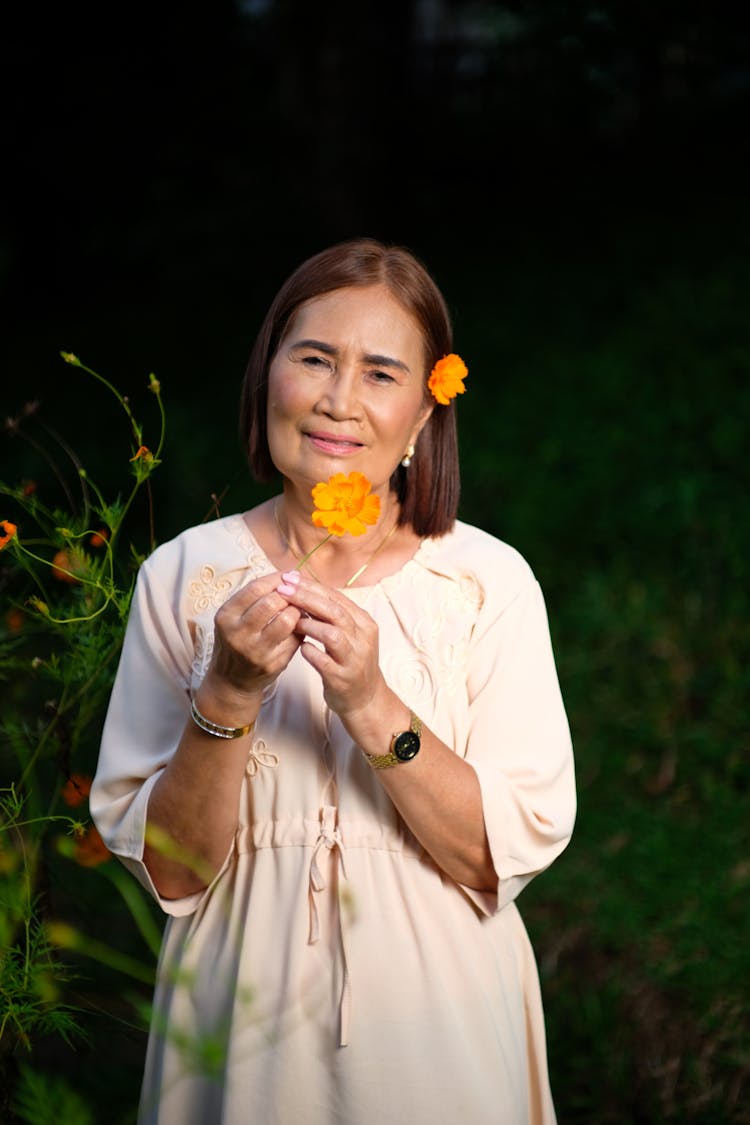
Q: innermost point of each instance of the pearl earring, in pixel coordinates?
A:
(407, 457)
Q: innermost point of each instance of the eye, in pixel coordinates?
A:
(316, 361)
(379, 376)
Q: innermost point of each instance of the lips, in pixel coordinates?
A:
(339, 445)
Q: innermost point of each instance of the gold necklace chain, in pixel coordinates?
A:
(357, 573)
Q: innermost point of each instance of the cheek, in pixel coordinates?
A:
(286, 397)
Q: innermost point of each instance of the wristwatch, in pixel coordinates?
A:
(404, 746)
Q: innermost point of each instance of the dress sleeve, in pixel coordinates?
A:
(519, 745)
(147, 712)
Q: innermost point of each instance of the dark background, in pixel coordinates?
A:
(575, 176)
(167, 164)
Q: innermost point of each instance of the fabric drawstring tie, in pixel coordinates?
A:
(329, 838)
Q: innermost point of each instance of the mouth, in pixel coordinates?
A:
(335, 444)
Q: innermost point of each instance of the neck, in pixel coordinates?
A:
(342, 559)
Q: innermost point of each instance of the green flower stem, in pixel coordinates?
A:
(65, 704)
(317, 547)
(40, 820)
(163, 431)
(43, 739)
(137, 432)
(95, 584)
(94, 488)
(22, 553)
(125, 509)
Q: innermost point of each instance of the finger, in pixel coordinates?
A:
(319, 601)
(333, 638)
(249, 659)
(259, 588)
(316, 658)
(255, 614)
(279, 626)
(279, 657)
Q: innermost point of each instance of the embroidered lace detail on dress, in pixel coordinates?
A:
(203, 646)
(208, 591)
(412, 675)
(259, 755)
(439, 627)
(257, 562)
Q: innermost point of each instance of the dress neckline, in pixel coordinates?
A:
(388, 582)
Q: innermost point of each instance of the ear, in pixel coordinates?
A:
(422, 420)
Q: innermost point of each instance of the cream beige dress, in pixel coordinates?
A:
(332, 974)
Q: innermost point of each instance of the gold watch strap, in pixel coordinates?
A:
(385, 761)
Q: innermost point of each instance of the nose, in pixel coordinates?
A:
(340, 399)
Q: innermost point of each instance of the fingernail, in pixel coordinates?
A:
(286, 589)
(292, 576)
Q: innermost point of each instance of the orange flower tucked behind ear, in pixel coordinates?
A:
(447, 378)
(345, 504)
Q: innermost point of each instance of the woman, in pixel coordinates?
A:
(335, 771)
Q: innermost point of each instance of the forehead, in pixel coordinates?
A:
(367, 315)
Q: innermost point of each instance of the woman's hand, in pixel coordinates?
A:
(348, 663)
(195, 800)
(254, 640)
(437, 793)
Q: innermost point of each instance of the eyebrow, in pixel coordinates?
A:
(370, 357)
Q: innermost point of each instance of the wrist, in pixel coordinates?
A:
(218, 702)
(373, 726)
(405, 745)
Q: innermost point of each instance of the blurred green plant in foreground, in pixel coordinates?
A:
(67, 575)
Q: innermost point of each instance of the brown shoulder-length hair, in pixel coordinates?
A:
(428, 490)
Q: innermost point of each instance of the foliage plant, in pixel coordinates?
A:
(67, 572)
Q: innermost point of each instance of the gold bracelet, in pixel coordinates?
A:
(216, 729)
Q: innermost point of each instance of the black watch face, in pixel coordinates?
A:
(406, 746)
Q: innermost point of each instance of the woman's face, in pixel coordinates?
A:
(346, 388)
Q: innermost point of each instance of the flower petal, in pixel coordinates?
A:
(344, 504)
(446, 378)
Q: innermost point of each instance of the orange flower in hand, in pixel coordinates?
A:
(345, 504)
(447, 378)
(9, 530)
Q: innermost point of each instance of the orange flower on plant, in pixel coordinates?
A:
(66, 567)
(345, 504)
(14, 620)
(143, 453)
(9, 530)
(447, 378)
(76, 789)
(90, 849)
(99, 538)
